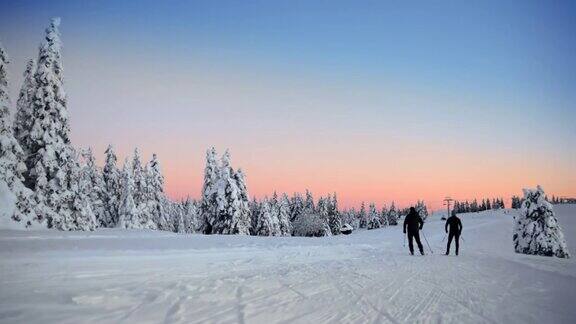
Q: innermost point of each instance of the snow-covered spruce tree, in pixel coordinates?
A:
(12, 157)
(267, 224)
(362, 216)
(233, 214)
(422, 209)
(244, 212)
(309, 203)
(139, 178)
(24, 119)
(516, 202)
(177, 216)
(349, 217)
(208, 203)
(474, 208)
(536, 230)
(482, 206)
(384, 216)
(296, 206)
(155, 199)
(81, 211)
(373, 217)
(112, 184)
(322, 209)
(284, 215)
(393, 215)
(334, 217)
(275, 211)
(96, 188)
(51, 154)
(128, 213)
(191, 216)
(141, 193)
(254, 206)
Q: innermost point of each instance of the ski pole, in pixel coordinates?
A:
(443, 239)
(425, 239)
(404, 244)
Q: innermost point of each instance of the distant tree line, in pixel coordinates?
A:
(517, 201)
(475, 206)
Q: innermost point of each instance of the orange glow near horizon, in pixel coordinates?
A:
(403, 180)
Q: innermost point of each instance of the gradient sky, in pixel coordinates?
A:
(376, 100)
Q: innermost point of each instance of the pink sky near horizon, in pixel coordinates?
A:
(403, 181)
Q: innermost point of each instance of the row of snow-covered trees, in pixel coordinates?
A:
(372, 218)
(475, 206)
(225, 209)
(562, 200)
(517, 201)
(56, 186)
(52, 184)
(39, 166)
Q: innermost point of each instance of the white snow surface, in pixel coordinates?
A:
(143, 276)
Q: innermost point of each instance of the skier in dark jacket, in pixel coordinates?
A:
(413, 222)
(455, 225)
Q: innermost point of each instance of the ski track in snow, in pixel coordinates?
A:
(113, 276)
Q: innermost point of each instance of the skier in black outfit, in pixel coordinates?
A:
(414, 223)
(455, 230)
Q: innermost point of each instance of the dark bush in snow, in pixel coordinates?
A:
(310, 225)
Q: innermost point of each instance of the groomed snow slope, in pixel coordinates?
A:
(154, 277)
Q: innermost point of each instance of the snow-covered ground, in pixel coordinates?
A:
(151, 277)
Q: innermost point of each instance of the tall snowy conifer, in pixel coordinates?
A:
(296, 207)
(334, 218)
(82, 215)
(191, 216)
(244, 216)
(322, 210)
(155, 197)
(284, 215)
(267, 224)
(309, 203)
(128, 214)
(51, 155)
(362, 216)
(112, 183)
(96, 188)
(373, 217)
(141, 193)
(24, 119)
(208, 203)
(12, 157)
(393, 215)
(233, 216)
(422, 209)
(139, 178)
